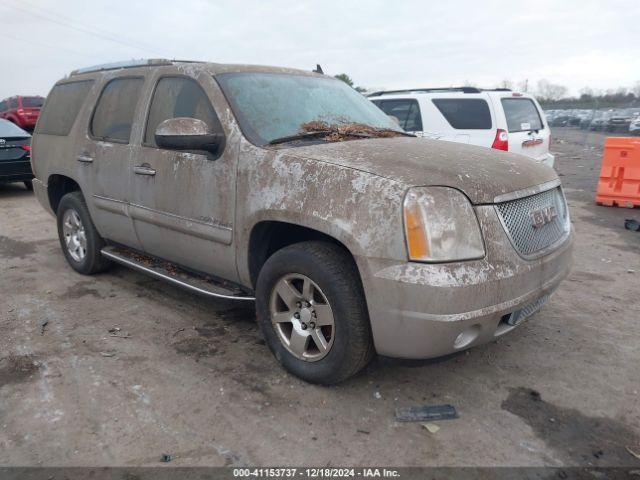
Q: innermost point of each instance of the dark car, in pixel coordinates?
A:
(619, 121)
(15, 154)
(23, 111)
(561, 121)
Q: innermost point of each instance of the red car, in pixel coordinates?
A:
(23, 111)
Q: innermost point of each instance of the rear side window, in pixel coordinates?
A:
(407, 111)
(113, 116)
(522, 115)
(32, 102)
(179, 97)
(63, 105)
(465, 113)
(3, 106)
(13, 103)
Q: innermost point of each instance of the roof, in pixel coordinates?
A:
(438, 90)
(214, 68)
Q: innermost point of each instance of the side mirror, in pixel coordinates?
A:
(183, 133)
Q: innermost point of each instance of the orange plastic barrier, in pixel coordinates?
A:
(619, 182)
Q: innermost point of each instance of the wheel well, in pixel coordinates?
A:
(270, 236)
(58, 186)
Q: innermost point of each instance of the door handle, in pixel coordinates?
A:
(84, 158)
(144, 169)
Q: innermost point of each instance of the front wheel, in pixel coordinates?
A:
(312, 312)
(80, 241)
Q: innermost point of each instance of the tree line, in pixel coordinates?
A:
(552, 95)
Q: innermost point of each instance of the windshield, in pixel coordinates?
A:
(8, 130)
(271, 106)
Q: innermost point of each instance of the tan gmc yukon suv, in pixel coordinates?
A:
(291, 189)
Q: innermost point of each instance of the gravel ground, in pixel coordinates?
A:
(191, 377)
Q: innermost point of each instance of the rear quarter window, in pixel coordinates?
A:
(465, 113)
(62, 107)
(113, 115)
(407, 111)
(521, 114)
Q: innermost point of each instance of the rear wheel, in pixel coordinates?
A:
(312, 311)
(80, 241)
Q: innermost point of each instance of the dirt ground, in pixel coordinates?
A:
(191, 377)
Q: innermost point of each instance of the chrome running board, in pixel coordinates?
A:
(154, 267)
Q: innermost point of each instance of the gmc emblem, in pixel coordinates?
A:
(543, 216)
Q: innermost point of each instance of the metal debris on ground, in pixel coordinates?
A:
(108, 354)
(637, 455)
(165, 457)
(431, 427)
(631, 224)
(43, 326)
(426, 412)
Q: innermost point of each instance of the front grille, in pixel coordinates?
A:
(529, 236)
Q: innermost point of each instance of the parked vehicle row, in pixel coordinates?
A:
(290, 189)
(499, 119)
(606, 120)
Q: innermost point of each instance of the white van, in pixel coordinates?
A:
(499, 118)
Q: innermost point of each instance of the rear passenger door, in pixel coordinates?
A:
(464, 120)
(107, 155)
(184, 202)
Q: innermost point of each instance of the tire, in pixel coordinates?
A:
(335, 278)
(87, 260)
(28, 184)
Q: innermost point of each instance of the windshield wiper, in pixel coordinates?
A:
(298, 136)
(337, 131)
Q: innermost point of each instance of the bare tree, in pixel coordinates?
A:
(548, 91)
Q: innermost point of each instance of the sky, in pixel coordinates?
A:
(380, 44)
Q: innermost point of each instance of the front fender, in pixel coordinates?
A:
(361, 210)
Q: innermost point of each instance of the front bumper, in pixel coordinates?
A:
(428, 310)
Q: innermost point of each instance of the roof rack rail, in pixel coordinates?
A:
(496, 90)
(145, 62)
(426, 90)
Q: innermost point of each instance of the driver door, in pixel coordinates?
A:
(183, 202)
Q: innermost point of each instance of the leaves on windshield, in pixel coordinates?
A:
(346, 131)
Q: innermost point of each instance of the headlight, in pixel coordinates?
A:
(441, 226)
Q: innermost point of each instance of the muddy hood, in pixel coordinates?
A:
(481, 173)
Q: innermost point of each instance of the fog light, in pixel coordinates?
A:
(467, 336)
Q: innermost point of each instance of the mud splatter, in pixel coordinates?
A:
(577, 438)
(16, 369)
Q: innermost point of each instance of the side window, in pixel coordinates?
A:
(465, 113)
(13, 102)
(62, 107)
(179, 97)
(113, 116)
(3, 106)
(407, 111)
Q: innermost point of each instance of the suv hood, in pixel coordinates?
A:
(481, 173)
